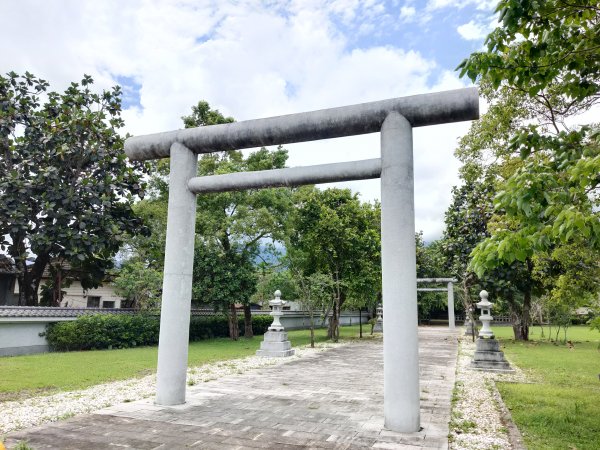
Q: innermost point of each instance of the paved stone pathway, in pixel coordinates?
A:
(330, 400)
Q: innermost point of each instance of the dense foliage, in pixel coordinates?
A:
(66, 189)
(139, 284)
(539, 72)
(334, 233)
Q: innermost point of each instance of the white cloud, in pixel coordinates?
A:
(407, 13)
(246, 58)
(474, 31)
(482, 5)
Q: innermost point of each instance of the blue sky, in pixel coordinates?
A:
(254, 59)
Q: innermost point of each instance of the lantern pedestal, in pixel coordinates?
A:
(488, 357)
(275, 344)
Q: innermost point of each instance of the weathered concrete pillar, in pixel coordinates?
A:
(399, 277)
(177, 281)
(451, 321)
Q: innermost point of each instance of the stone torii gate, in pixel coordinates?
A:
(449, 288)
(394, 118)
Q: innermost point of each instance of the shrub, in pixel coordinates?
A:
(217, 326)
(105, 331)
(99, 331)
(259, 324)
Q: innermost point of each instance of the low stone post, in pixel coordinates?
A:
(276, 341)
(378, 327)
(488, 356)
(451, 320)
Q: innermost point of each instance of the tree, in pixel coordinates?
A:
(466, 222)
(222, 278)
(570, 275)
(66, 189)
(316, 291)
(139, 284)
(546, 53)
(234, 227)
(338, 235)
(545, 56)
(241, 224)
(272, 278)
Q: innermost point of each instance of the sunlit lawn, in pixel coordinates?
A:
(48, 372)
(561, 409)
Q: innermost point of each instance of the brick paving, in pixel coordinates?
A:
(332, 399)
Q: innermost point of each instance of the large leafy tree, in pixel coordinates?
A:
(541, 67)
(233, 229)
(237, 227)
(223, 278)
(336, 234)
(139, 284)
(66, 188)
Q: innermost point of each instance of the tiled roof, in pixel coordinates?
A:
(43, 311)
(46, 311)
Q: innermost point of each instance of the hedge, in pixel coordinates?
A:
(106, 331)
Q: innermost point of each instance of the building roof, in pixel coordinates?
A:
(47, 311)
(51, 311)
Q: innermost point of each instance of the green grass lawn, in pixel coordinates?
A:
(561, 409)
(22, 376)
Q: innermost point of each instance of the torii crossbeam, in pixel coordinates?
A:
(395, 119)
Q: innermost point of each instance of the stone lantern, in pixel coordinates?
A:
(486, 318)
(488, 356)
(276, 305)
(275, 342)
(378, 327)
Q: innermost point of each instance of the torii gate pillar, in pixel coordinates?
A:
(177, 279)
(399, 277)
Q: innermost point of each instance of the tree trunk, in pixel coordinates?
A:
(248, 332)
(334, 323)
(468, 303)
(525, 315)
(360, 322)
(29, 280)
(312, 328)
(333, 330)
(520, 316)
(234, 332)
(515, 317)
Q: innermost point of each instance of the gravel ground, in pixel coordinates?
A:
(35, 411)
(476, 417)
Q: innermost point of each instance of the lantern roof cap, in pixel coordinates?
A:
(484, 303)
